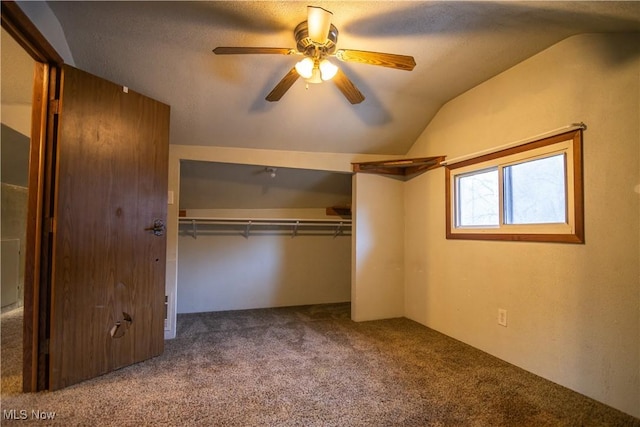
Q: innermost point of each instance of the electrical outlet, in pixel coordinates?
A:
(502, 317)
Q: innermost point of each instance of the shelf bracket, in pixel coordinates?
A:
(338, 230)
(246, 231)
(194, 228)
(295, 229)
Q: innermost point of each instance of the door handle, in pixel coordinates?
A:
(158, 228)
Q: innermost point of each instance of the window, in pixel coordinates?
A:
(531, 192)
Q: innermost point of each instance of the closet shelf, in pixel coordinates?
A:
(193, 226)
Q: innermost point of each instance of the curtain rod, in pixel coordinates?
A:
(548, 134)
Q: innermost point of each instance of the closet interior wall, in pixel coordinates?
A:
(266, 259)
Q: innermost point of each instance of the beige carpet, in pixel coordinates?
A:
(306, 366)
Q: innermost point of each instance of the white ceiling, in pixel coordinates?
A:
(208, 185)
(163, 49)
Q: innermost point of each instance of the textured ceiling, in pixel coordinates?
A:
(163, 49)
(206, 185)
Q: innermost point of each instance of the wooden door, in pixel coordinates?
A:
(107, 265)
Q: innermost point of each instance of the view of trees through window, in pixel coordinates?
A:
(478, 199)
(534, 193)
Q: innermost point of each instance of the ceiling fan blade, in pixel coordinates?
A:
(319, 23)
(348, 89)
(283, 86)
(399, 62)
(252, 50)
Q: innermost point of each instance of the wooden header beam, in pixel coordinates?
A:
(403, 167)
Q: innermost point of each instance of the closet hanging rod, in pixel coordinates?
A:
(340, 226)
(273, 222)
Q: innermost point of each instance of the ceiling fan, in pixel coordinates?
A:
(316, 40)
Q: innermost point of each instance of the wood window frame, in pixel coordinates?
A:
(575, 213)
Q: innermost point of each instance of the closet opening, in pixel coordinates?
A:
(260, 237)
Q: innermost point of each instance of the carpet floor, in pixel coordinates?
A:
(304, 366)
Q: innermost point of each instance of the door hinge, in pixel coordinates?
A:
(44, 347)
(54, 106)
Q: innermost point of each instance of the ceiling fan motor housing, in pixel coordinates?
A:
(308, 47)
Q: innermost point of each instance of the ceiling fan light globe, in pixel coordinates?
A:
(327, 69)
(305, 68)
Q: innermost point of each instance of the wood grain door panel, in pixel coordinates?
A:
(107, 267)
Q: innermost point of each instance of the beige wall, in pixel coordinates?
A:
(377, 290)
(17, 79)
(13, 225)
(225, 270)
(231, 272)
(573, 310)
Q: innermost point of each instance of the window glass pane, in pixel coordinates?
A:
(534, 192)
(477, 199)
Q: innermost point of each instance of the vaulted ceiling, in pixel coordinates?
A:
(164, 50)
